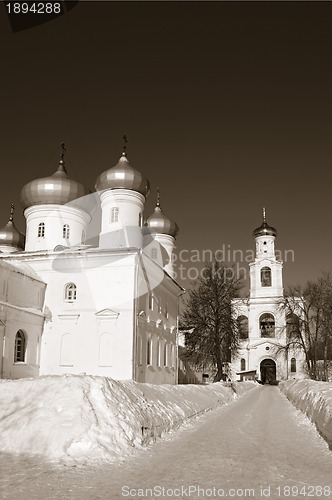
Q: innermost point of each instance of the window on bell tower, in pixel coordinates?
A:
(114, 215)
(70, 292)
(242, 325)
(267, 325)
(266, 276)
(65, 231)
(41, 230)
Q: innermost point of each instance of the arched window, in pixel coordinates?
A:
(19, 353)
(266, 277)
(65, 231)
(267, 325)
(243, 364)
(70, 292)
(242, 325)
(293, 365)
(292, 325)
(41, 230)
(83, 240)
(140, 220)
(153, 253)
(114, 214)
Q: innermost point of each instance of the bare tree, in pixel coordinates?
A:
(208, 320)
(309, 321)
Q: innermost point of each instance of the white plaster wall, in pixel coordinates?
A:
(18, 292)
(159, 324)
(127, 232)
(32, 326)
(256, 289)
(104, 305)
(54, 217)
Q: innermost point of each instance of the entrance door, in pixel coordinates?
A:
(268, 371)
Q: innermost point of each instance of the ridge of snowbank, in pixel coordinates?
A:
(83, 416)
(315, 400)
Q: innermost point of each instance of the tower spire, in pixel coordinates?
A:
(264, 214)
(158, 197)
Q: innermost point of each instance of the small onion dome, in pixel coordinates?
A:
(10, 235)
(57, 189)
(161, 224)
(264, 229)
(123, 176)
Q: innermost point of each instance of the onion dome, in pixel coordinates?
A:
(123, 176)
(10, 235)
(264, 229)
(56, 189)
(161, 224)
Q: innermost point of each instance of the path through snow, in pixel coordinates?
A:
(260, 440)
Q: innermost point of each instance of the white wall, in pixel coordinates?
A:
(18, 292)
(54, 217)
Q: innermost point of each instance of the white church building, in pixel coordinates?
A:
(263, 324)
(91, 288)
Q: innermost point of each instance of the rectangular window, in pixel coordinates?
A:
(165, 354)
(149, 352)
(41, 230)
(158, 353)
(140, 350)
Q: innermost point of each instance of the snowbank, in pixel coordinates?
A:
(95, 417)
(315, 400)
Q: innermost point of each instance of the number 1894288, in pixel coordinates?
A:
(34, 8)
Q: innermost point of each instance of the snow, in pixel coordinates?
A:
(75, 416)
(315, 400)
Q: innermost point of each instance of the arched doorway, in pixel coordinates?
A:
(268, 371)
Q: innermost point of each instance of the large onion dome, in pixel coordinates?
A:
(161, 224)
(56, 189)
(123, 176)
(264, 229)
(10, 236)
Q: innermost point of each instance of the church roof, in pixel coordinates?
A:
(264, 229)
(57, 189)
(123, 176)
(10, 235)
(161, 224)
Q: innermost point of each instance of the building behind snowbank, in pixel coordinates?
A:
(263, 324)
(93, 288)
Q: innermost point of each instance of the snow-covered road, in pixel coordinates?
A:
(260, 441)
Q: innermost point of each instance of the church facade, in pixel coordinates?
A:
(108, 302)
(263, 324)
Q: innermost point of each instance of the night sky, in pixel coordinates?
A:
(227, 107)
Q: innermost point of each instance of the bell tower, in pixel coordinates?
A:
(266, 270)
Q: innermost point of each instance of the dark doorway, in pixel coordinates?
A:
(268, 371)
